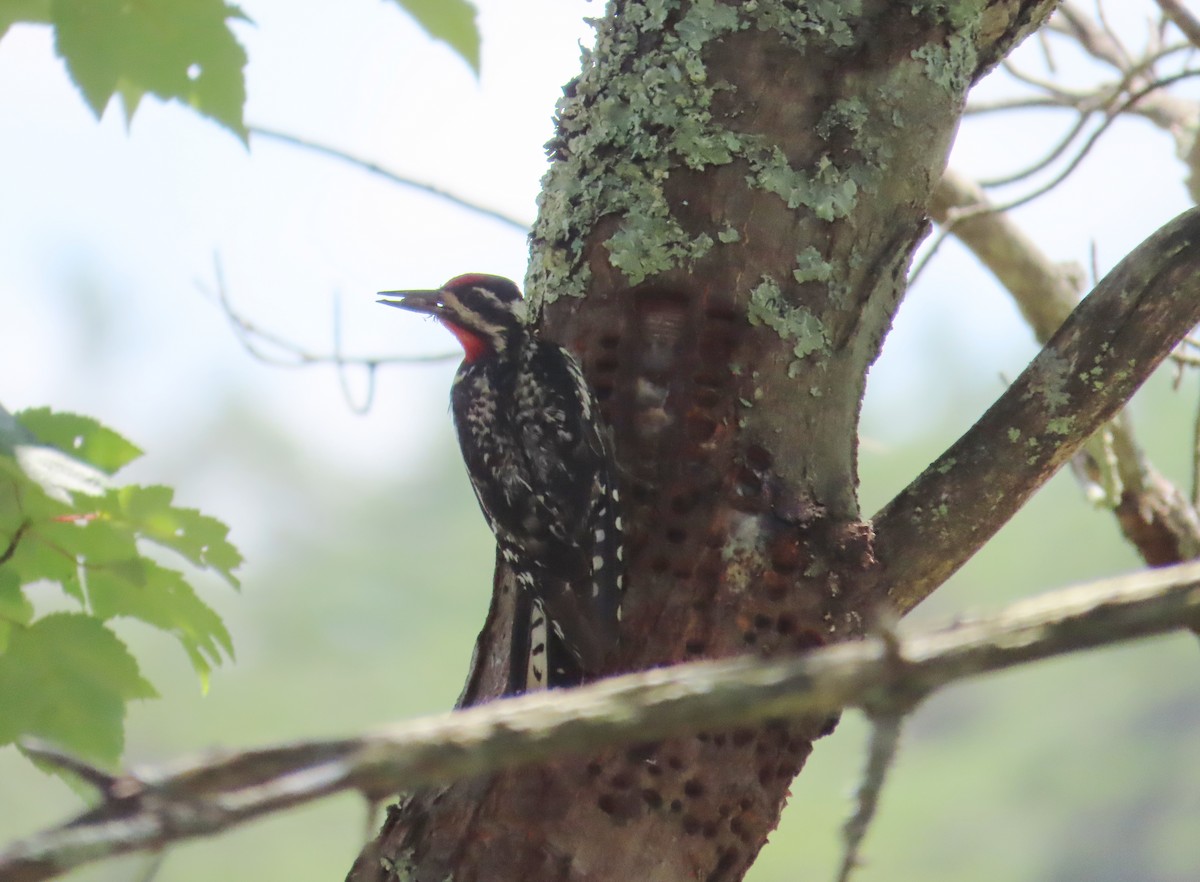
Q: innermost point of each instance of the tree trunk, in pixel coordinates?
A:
(723, 240)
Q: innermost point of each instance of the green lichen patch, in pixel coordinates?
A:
(826, 190)
(654, 245)
(642, 107)
(812, 267)
(1061, 425)
(951, 66)
(848, 114)
(1050, 382)
(793, 323)
(830, 21)
(958, 14)
(703, 20)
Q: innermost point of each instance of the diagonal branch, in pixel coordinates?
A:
(158, 806)
(1152, 513)
(1094, 363)
(1182, 18)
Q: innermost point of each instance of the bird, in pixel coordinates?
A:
(539, 458)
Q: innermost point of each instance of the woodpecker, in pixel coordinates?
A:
(539, 461)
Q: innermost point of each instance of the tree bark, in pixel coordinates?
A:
(723, 240)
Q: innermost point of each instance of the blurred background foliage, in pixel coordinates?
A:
(368, 566)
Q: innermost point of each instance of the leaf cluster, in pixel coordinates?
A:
(66, 676)
(185, 50)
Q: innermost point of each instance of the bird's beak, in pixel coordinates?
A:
(429, 302)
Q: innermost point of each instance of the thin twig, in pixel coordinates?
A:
(391, 176)
(886, 713)
(1118, 48)
(1094, 138)
(1047, 87)
(928, 254)
(252, 338)
(1052, 155)
(1028, 102)
(11, 548)
(1099, 42)
(50, 755)
(881, 751)
(341, 362)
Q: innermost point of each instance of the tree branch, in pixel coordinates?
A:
(390, 176)
(155, 807)
(1182, 19)
(1154, 515)
(1044, 291)
(1103, 352)
(274, 349)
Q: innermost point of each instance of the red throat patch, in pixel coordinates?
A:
(473, 345)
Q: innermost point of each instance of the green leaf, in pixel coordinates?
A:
(67, 678)
(15, 607)
(176, 49)
(62, 521)
(24, 508)
(201, 539)
(94, 543)
(81, 437)
(59, 475)
(160, 597)
(452, 22)
(13, 11)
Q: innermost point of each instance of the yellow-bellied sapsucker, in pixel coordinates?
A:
(539, 461)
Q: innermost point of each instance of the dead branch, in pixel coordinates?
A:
(150, 808)
(274, 349)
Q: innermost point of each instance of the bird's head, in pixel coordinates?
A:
(483, 312)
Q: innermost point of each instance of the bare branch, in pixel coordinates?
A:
(278, 351)
(886, 713)
(1024, 102)
(1172, 113)
(1093, 364)
(290, 354)
(391, 176)
(1160, 522)
(1044, 291)
(885, 740)
(158, 806)
(1045, 87)
(1128, 106)
(91, 775)
(1093, 35)
(1066, 141)
(1182, 19)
